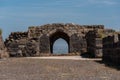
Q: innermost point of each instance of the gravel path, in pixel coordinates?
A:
(66, 58)
(55, 69)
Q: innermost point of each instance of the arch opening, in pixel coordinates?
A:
(60, 46)
(59, 35)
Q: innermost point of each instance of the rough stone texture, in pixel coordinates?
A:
(39, 40)
(16, 43)
(3, 50)
(111, 49)
(31, 48)
(94, 43)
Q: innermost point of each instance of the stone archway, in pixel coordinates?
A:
(76, 37)
(59, 34)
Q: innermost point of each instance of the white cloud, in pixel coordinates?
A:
(105, 2)
(109, 2)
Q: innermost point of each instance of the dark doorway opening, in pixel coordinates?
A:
(59, 35)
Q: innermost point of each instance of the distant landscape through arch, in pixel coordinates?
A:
(60, 46)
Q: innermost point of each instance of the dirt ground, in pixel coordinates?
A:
(48, 69)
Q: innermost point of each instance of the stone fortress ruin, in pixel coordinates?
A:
(81, 39)
(39, 40)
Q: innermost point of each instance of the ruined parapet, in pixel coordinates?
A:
(3, 50)
(111, 49)
(18, 35)
(16, 42)
(69, 28)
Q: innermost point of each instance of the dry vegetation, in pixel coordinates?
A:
(38, 69)
(0, 31)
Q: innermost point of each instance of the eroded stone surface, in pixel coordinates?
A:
(111, 49)
(3, 50)
(39, 40)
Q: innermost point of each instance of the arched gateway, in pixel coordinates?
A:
(39, 40)
(58, 34)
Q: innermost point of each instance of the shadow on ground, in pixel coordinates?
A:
(87, 55)
(108, 64)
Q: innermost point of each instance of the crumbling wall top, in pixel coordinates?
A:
(18, 35)
(68, 24)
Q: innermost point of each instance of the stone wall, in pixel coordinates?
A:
(16, 43)
(39, 40)
(111, 49)
(94, 43)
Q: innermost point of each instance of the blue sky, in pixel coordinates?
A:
(18, 15)
(60, 46)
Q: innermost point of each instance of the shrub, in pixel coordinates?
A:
(0, 31)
